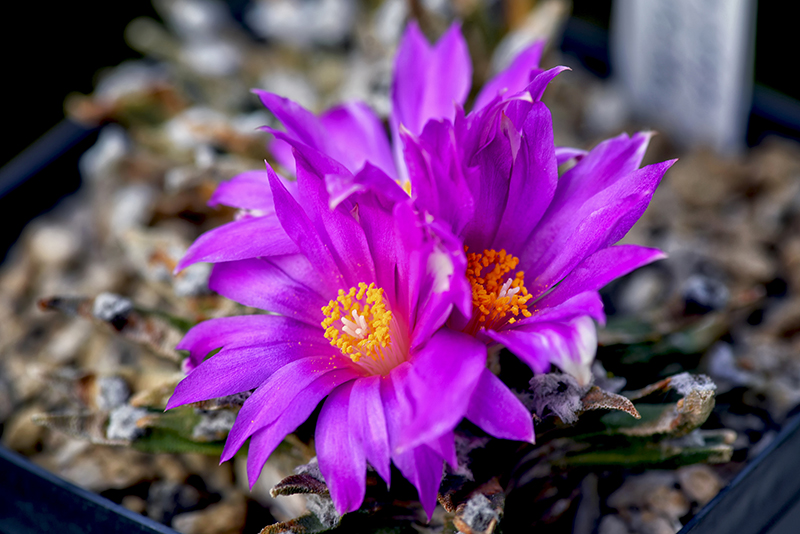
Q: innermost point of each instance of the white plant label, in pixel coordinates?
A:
(687, 65)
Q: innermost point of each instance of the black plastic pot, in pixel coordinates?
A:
(764, 498)
(33, 500)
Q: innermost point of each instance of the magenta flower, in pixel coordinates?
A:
(362, 290)
(538, 246)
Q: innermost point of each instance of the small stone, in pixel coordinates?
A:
(700, 483)
(668, 502)
(54, 245)
(613, 524)
(112, 392)
(112, 309)
(641, 290)
(100, 468)
(99, 161)
(703, 294)
(20, 433)
(214, 58)
(65, 343)
(167, 498)
(131, 208)
(303, 24)
(122, 423)
(650, 523)
(722, 366)
(169, 467)
(134, 503)
(634, 491)
(225, 517)
(193, 281)
(214, 425)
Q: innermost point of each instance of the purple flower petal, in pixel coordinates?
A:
(355, 136)
(438, 174)
(569, 345)
(341, 456)
(586, 303)
(498, 411)
(283, 154)
(429, 80)
(490, 188)
(540, 81)
(302, 232)
(350, 133)
(300, 123)
(599, 269)
(424, 468)
(265, 440)
(434, 275)
(338, 229)
(567, 235)
(533, 181)
(259, 283)
(367, 421)
(244, 331)
(369, 178)
(283, 391)
(606, 163)
(239, 370)
(442, 285)
(514, 78)
(445, 447)
(442, 377)
(421, 465)
(238, 240)
(249, 190)
(564, 154)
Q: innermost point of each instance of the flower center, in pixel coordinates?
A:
(359, 324)
(496, 299)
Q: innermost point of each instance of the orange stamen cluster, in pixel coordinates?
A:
(357, 322)
(494, 295)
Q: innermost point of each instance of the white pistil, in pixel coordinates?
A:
(507, 290)
(356, 328)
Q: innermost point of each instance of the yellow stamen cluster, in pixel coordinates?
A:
(494, 295)
(357, 322)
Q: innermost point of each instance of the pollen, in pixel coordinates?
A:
(358, 322)
(497, 299)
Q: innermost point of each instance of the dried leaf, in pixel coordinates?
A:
(300, 484)
(685, 415)
(598, 399)
(305, 524)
